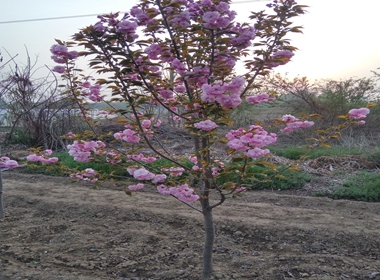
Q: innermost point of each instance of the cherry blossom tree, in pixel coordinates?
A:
(213, 61)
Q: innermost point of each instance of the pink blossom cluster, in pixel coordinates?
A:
(42, 158)
(251, 141)
(293, 123)
(128, 28)
(87, 175)
(142, 157)
(216, 169)
(244, 36)
(92, 91)
(259, 98)
(206, 125)
(142, 18)
(227, 95)
(215, 19)
(61, 55)
(195, 167)
(6, 162)
(127, 135)
(175, 118)
(280, 58)
(124, 26)
(82, 151)
(153, 51)
(182, 192)
(359, 114)
(144, 175)
(181, 19)
(136, 187)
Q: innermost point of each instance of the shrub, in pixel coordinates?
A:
(364, 186)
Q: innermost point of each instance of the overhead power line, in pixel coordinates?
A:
(92, 15)
(51, 18)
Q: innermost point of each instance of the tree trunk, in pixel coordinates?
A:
(209, 241)
(1, 198)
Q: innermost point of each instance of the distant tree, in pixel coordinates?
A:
(37, 110)
(329, 98)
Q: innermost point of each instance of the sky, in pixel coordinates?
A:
(340, 38)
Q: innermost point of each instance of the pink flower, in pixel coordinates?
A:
(260, 98)
(257, 152)
(215, 20)
(293, 123)
(167, 94)
(58, 49)
(359, 113)
(33, 158)
(143, 174)
(283, 54)
(159, 178)
(58, 59)
(52, 160)
(162, 189)
(127, 135)
(88, 175)
(88, 172)
(59, 69)
(181, 20)
(6, 162)
(99, 27)
(48, 152)
(179, 67)
(146, 123)
(136, 187)
(36, 158)
(153, 51)
(184, 193)
(289, 118)
(128, 28)
(296, 124)
(206, 125)
(176, 118)
(193, 159)
(244, 37)
(82, 150)
(131, 170)
(237, 144)
(280, 58)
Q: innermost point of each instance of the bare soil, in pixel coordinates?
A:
(57, 230)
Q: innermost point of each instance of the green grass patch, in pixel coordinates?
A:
(66, 165)
(260, 177)
(363, 186)
(102, 167)
(257, 176)
(296, 153)
(54, 169)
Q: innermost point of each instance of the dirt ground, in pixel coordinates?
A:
(57, 230)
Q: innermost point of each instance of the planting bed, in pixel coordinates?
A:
(57, 230)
